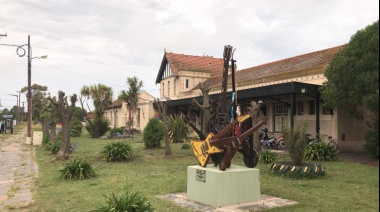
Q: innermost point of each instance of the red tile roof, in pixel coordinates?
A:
(115, 104)
(181, 62)
(301, 62)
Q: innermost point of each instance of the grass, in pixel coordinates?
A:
(346, 186)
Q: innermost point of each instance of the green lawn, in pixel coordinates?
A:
(346, 186)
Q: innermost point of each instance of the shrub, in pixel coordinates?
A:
(76, 125)
(117, 151)
(75, 133)
(297, 142)
(77, 170)
(186, 146)
(267, 157)
(372, 140)
(45, 139)
(178, 129)
(133, 202)
(53, 146)
(117, 130)
(320, 151)
(153, 133)
(98, 128)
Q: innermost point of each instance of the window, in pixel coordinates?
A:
(163, 89)
(280, 116)
(168, 88)
(138, 118)
(300, 108)
(187, 83)
(311, 107)
(174, 85)
(327, 111)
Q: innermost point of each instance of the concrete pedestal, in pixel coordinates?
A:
(211, 186)
(37, 137)
(28, 140)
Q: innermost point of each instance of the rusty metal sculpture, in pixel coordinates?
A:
(224, 137)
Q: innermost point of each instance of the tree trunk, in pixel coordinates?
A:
(65, 112)
(255, 108)
(45, 128)
(64, 150)
(53, 131)
(168, 151)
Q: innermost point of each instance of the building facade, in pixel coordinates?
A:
(118, 113)
(290, 88)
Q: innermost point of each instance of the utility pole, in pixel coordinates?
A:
(29, 93)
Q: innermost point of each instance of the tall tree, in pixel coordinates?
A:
(65, 112)
(101, 96)
(353, 78)
(39, 100)
(131, 97)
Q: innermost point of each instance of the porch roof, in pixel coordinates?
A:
(258, 93)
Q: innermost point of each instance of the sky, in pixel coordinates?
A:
(90, 42)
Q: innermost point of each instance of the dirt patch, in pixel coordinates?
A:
(358, 157)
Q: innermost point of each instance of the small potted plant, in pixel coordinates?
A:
(297, 167)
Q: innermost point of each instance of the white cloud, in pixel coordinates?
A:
(107, 41)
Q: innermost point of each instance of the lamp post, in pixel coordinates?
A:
(29, 96)
(21, 52)
(18, 107)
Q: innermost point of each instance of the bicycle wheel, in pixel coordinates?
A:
(333, 144)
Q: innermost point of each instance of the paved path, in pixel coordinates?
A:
(17, 171)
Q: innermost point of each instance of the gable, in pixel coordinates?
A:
(172, 64)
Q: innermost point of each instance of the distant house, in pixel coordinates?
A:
(289, 86)
(118, 115)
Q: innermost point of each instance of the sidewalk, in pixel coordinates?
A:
(17, 171)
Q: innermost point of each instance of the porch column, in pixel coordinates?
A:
(317, 99)
(292, 108)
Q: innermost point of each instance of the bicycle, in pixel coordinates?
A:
(332, 143)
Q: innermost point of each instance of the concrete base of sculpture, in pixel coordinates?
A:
(211, 186)
(28, 140)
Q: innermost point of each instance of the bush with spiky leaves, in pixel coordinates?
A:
(178, 129)
(77, 170)
(297, 142)
(131, 202)
(267, 157)
(117, 151)
(320, 151)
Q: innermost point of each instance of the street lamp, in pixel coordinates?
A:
(21, 52)
(18, 106)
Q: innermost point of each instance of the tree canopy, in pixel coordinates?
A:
(353, 81)
(353, 74)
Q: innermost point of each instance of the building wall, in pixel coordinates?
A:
(173, 87)
(118, 117)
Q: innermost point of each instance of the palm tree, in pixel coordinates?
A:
(102, 97)
(131, 97)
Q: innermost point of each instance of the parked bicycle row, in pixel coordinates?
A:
(278, 142)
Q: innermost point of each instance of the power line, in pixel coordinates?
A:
(80, 74)
(83, 58)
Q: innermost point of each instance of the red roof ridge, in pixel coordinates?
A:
(298, 56)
